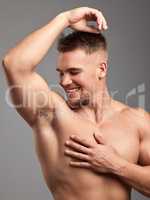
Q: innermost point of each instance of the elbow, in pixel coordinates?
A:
(10, 63)
(12, 60)
(15, 64)
(7, 62)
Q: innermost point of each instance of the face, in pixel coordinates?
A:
(78, 73)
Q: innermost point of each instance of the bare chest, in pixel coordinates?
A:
(120, 134)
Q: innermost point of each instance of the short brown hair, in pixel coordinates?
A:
(90, 42)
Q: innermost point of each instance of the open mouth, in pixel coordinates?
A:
(71, 92)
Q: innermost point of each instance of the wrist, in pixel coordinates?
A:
(64, 18)
(119, 167)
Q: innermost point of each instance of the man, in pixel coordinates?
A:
(90, 147)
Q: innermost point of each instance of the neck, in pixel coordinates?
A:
(99, 106)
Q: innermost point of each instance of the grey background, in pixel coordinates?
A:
(129, 46)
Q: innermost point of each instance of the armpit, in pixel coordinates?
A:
(46, 113)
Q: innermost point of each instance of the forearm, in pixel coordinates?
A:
(134, 175)
(29, 52)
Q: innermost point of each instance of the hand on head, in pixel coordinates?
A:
(78, 19)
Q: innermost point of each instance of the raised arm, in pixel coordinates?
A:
(20, 63)
(28, 87)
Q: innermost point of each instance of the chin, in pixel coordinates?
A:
(78, 103)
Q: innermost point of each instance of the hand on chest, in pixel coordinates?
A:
(119, 134)
(122, 138)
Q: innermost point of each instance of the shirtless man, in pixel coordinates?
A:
(91, 147)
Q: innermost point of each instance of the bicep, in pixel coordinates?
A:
(29, 93)
(144, 156)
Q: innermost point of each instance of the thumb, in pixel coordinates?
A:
(91, 29)
(98, 138)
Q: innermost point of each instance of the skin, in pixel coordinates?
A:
(84, 151)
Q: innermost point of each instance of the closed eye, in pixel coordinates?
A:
(74, 72)
(71, 71)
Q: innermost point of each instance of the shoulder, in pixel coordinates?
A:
(141, 118)
(141, 115)
(136, 115)
(144, 122)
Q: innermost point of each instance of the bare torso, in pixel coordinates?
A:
(68, 183)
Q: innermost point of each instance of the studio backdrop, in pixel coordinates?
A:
(128, 79)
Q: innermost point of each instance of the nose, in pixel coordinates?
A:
(65, 80)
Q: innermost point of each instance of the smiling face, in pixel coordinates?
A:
(79, 75)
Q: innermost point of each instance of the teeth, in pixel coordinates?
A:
(73, 90)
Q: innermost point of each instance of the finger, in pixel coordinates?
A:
(104, 23)
(80, 164)
(101, 20)
(101, 16)
(80, 141)
(77, 147)
(99, 139)
(77, 155)
(96, 18)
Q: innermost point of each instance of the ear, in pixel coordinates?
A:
(102, 70)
